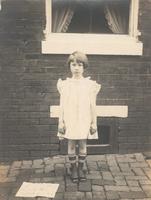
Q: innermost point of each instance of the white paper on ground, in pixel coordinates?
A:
(29, 189)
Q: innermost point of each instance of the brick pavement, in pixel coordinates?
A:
(109, 177)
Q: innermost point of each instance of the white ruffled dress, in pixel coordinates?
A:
(75, 104)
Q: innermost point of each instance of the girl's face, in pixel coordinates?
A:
(76, 68)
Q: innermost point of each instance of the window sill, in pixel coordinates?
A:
(66, 43)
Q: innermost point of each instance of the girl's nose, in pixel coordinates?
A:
(76, 66)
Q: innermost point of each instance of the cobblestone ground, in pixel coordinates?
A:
(109, 177)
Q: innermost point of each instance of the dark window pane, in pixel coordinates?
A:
(88, 19)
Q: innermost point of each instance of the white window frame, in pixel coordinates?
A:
(98, 44)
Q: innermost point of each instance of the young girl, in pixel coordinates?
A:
(77, 120)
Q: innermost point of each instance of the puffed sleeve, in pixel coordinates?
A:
(95, 88)
(60, 86)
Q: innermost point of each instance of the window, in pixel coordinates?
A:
(94, 27)
(89, 17)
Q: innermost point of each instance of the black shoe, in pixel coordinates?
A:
(81, 173)
(74, 173)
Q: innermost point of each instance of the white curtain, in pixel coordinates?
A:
(61, 18)
(117, 18)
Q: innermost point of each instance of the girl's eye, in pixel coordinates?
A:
(77, 64)
(73, 64)
(80, 64)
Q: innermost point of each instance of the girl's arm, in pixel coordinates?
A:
(95, 89)
(93, 127)
(61, 128)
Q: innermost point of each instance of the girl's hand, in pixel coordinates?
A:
(61, 128)
(93, 129)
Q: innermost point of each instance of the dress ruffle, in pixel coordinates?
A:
(95, 88)
(60, 85)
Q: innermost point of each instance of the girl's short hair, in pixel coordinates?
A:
(78, 57)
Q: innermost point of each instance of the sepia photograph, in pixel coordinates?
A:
(75, 99)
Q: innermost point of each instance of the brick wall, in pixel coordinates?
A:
(28, 84)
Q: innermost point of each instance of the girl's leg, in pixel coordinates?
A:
(72, 159)
(83, 148)
(82, 158)
(72, 150)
